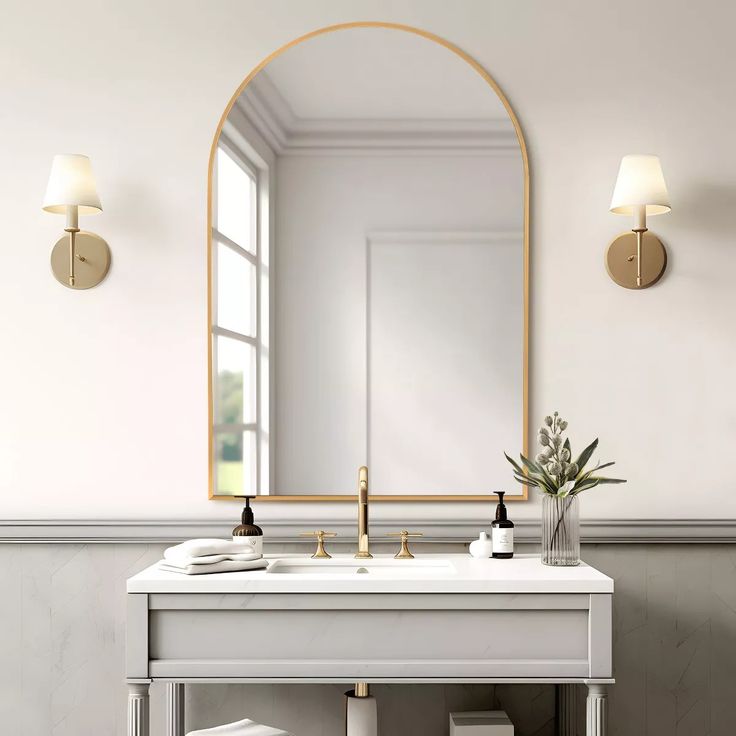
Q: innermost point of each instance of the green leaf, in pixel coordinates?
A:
(539, 472)
(527, 480)
(610, 480)
(550, 482)
(530, 464)
(590, 472)
(585, 455)
(514, 463)
(536, 471)
(600, 466)
(544, 481)
(584, 486)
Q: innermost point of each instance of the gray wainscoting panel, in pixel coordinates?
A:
(62, 614)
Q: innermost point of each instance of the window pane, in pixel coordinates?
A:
(235, 384)
(235, 202)
(235, 463)
(236, 291)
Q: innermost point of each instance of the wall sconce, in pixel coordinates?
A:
(80, 260)
(638, 259)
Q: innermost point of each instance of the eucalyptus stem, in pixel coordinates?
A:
(561, 517)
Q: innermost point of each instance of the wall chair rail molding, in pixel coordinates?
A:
(593, 531)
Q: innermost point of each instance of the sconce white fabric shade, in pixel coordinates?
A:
(640, 183)
(71, 183)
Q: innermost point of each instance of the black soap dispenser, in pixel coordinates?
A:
(247, 532)
(502, 532)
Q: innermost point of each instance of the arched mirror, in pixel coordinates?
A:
(368, 253)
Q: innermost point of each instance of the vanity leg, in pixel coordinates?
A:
(138, 709)
(175, 708)
(566, 701)
(596, 711)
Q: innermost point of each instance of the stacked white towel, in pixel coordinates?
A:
(240, 728)
(202, 556)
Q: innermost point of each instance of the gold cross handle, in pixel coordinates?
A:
(403, 553)
(321, 553)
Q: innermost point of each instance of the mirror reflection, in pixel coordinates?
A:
(367, 274)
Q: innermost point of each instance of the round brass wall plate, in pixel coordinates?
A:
(621, 260)
(88, 272)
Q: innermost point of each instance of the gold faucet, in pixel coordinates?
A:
(363, 542)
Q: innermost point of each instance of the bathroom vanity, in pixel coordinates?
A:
(433, 619)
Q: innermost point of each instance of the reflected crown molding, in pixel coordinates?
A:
(601, 531)
(289, 135)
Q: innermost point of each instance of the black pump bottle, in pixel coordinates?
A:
(502, 532)
(247, 528)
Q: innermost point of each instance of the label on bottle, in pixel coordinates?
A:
(253, 545)
(503, 539)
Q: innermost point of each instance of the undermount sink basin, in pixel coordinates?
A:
(375, 568)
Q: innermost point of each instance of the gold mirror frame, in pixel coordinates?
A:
(525, 348)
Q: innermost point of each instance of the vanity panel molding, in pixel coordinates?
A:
(363, 636)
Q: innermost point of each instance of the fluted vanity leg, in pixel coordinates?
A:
(138, 709)
(596, 711)
(175, 708)
(566, 710)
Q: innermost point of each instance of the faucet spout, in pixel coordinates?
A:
(364, 552)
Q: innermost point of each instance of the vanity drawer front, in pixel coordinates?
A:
(359, 635)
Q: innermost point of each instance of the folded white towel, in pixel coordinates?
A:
(224, 566)
(240, 728)
(210, 559)
(207, 547)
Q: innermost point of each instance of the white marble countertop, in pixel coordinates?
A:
(521, 574)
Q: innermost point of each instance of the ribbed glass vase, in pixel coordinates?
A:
(560, 530)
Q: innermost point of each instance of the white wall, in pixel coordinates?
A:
(103, 399)
(326, 208)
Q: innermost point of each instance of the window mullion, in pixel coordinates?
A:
(235, 427)
(224, 332)
(220, 238)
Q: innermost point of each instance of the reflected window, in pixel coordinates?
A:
(239, 343)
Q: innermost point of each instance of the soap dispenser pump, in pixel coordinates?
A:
(502, 532)
(247, 532)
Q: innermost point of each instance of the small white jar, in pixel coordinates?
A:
(481, 548)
